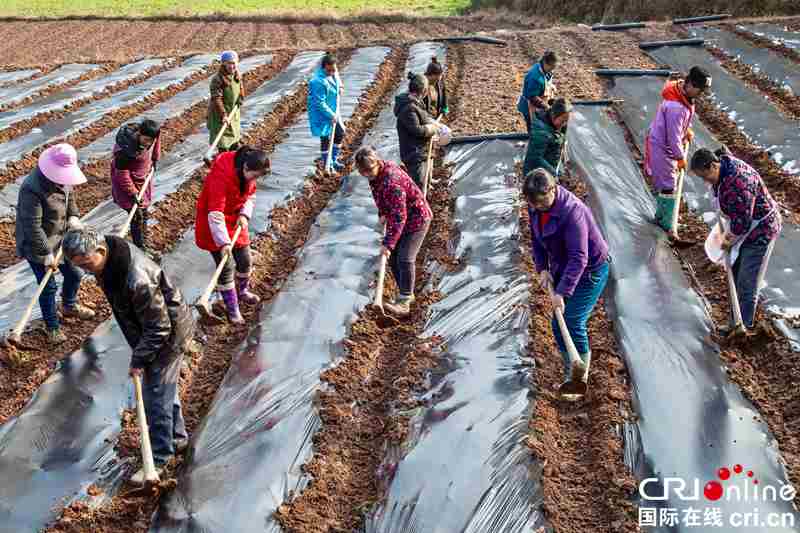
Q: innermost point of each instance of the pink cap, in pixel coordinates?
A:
(59, 164)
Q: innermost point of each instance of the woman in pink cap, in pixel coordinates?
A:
(46, 209)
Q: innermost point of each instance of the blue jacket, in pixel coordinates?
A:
(535, 82)
(322, 91)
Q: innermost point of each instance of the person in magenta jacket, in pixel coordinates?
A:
(571, 258)
(668, 137)
(136, 153)
(404, 210)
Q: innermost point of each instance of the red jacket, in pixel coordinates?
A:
(221, 193)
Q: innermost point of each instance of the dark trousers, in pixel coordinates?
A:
(239, 261)
(338, 137)
(403, 260)
(417, 170)
(139, 227)
(747, 272)
(162, 405)
(69, 293)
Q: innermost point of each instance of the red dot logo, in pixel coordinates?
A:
(749, 473)
(723, 473)
(713, 490)
(738, 469)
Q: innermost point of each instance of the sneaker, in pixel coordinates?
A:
(138, 478)
(56, 336)
(180, 445)
(78, 311)
(401, 308)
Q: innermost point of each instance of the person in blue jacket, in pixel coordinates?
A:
(538, 88)
(323, 91)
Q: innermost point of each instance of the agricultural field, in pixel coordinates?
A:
(316, 417)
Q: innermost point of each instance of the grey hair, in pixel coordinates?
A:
(366, 156)
(538, 182)
(82, 242)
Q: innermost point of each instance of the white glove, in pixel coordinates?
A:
(50, 260)
(226, 250)
(74, 223)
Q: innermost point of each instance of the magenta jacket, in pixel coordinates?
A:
(667, 136)
(128, 174)
(571, 243)
(399, 200)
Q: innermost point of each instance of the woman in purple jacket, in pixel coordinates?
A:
(751, 220)
(571, 257)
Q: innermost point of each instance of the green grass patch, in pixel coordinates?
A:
(151, 8)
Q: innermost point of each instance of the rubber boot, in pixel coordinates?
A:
(587, 361)
(231, 300)
(666, 209)
(245, 296)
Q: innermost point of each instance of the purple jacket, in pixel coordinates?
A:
(743, 198)
(571, 243)
(667, 136)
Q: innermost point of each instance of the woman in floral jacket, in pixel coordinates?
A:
(750, 217)
(404, 210)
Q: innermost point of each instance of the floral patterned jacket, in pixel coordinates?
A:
(399, 200)
(744, 198)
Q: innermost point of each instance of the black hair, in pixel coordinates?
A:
(559, 106)
(254, 160)
(434, 67)
(703, 158)
(416, 83)
(329, 59)
(150, 128)
(549, 58)
(538, 182)
(699, 78)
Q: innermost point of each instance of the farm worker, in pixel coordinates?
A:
(227, 94)
(414, 127)
(548, 135)
(571, 257)
(225, 202)
(155, 321)
(136, 153)
(405, 212)
(537, 88)
(323, 110)
(46, 209)
(749, 217)
(668, 138)
(435, 98)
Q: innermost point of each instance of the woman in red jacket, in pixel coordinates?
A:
(225, 202)
(407, 215)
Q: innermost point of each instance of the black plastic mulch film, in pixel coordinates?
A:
(246, 457)
(63, 439)
(692, 420)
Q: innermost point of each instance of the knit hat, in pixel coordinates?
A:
(229, 55)
(59, 164)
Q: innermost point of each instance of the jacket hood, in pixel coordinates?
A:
(672, 91)
(128, 140)
(402, 101)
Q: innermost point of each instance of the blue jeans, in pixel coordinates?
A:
(577, 311)
(69, 293)
(749, 264)
(162, 406)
